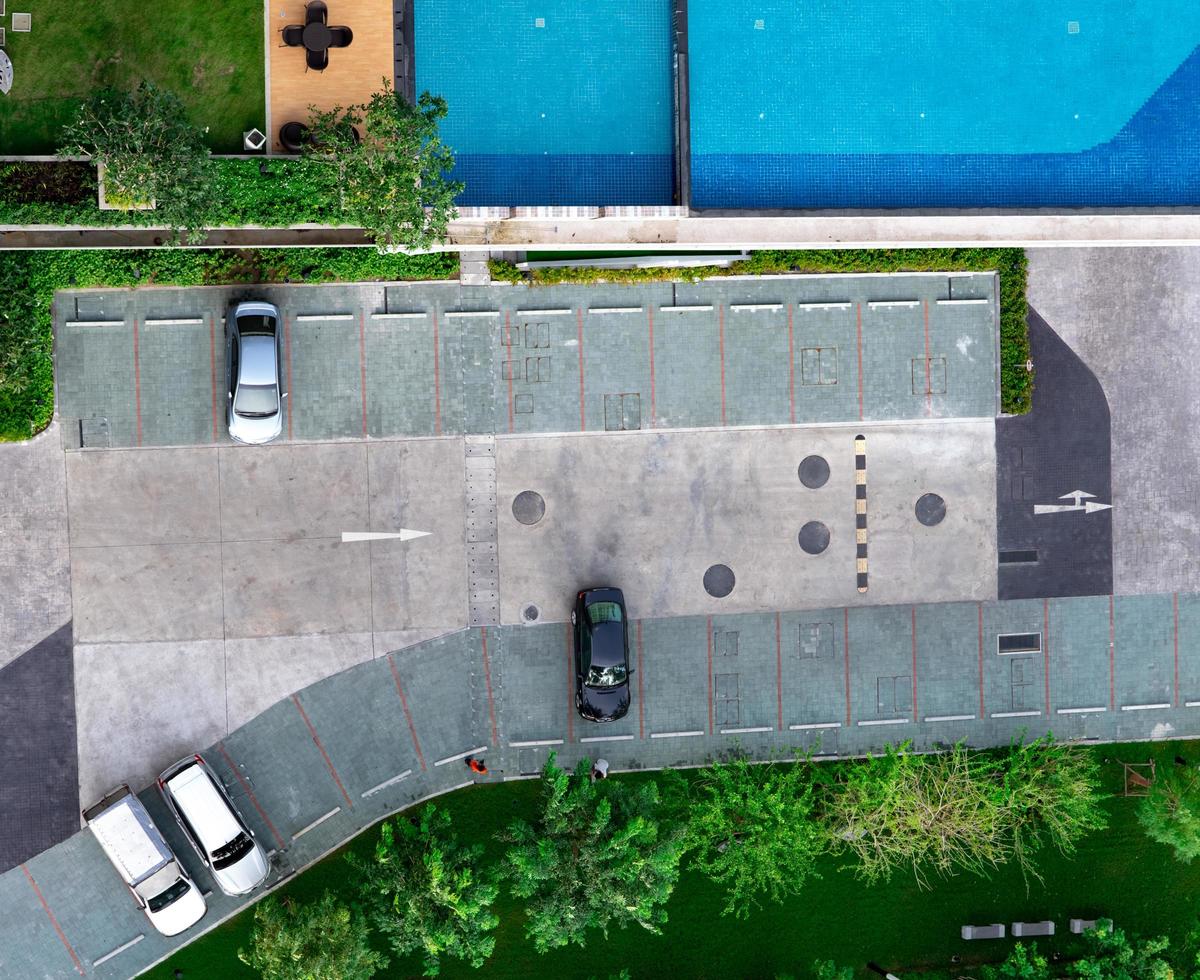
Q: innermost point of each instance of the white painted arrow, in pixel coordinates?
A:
(1079, 501)
(1091, 508)
(404, 534)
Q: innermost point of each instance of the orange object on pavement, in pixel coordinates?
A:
(476, 766)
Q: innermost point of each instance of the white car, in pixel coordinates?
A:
(211, 822)
(254, 373)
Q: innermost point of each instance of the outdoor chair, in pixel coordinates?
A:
(293, 35)
(315, 12)
(293, 136)
(316, 60)
(340, 37)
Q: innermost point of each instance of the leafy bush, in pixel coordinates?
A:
(28, 281)
(1016, 383)
(1170, 814)
(322, 940)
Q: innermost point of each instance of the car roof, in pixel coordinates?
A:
(206, 810)
(258, 361)
(608, 644)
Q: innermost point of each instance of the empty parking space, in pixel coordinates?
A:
(534, 681)
(1188, 608)
(97, 393)
(1014, 661)
(404, 372)
(884, 686)
(324, 364)
(620, 392)
(676, 671)
(758, 379)
(687, 367)
(1081, 656)
(745, 667)
(177, 380)
(814, 681)
(1144, 653)
(949, 641)
(439, 692)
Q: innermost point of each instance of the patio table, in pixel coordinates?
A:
(316, 37)
(6, 73)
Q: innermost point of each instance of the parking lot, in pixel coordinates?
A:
(147, 367)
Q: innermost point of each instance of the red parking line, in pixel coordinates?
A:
(571, 684)
(287, 343)
(250, 793)
(982, 713)
(914, 663)
(653, 406)
(779, 666)
(710, 679)
(1046, 650)
(508, 344)
(362, 366)
(321, 748)
(1112, 655)
(846, 640)
(858, 316)
(487, 677)
(579, 331)
(437, 382)
(137, 382)
(928, 381)
(640, 673)
(1175, 612)
(412, 729)
(721, 336)
(791, 369)
(212, 359)
(54, 922)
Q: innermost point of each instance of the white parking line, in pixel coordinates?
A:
(1191, 704)
(949, 717)
(823, 306)
(674, 734)
(183, 321)
(120, 949)
(1015, 714)
(748, 307)
(386, 783)
(885, 721)
(93, 323)
(746, 731)
(877, 304)
(539, 741)
(963, 302)
(1080, 711)
(322, 317)
(818, 724)
(466, 313)
(615, 309)
(607, 738)
(316, 823)
(1145, 707)
(461, 755)
(563, 312)
(686, 309)
(399, 316)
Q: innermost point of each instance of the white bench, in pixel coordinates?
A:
(1043, 928)
(1080, 926)
(993, 931)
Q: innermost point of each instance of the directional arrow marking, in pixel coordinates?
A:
(404, 534)
(1081, 500)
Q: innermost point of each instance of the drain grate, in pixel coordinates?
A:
(483, 573)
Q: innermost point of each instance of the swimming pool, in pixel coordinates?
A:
(553, 101)
(939, 103)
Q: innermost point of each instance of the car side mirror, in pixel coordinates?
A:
(284, 395)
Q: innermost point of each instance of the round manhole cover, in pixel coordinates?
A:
(814, 537)
(530, 613)
(814, 472)
(718, 581)
(931, 509)
(529, 507)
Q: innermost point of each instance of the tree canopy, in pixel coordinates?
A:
(594, 857)
(1170, 814)
(321, 940)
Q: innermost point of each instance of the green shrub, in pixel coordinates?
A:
(29, 280)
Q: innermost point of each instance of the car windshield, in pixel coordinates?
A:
(161, 901)
(232, 852)
(604, 612)
(249, 326)
(256, 401)
(606, 676)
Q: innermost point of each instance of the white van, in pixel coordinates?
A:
(213, 825)
(137, 850)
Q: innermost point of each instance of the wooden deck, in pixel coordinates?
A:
(354, 73)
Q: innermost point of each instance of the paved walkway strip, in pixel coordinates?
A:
(321, 748)
(54, 922)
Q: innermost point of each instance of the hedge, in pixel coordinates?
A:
(1016, 383)
(28, 281)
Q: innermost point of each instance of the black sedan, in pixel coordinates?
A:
(601, 654)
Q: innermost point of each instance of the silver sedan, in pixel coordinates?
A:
(254, 373)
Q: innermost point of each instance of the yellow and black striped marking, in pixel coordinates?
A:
(860, 509)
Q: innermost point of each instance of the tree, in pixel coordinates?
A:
(1023, 963)
(385, 166)
(594, 857)
(1111, 955)
(150, 152)
(425, 892)
(322, 940)
(754, 830)
(1170, 814)
(963, 810)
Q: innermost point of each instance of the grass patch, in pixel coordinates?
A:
(1117, 872)
(210, 54)
(1016, 383)
(29, 279)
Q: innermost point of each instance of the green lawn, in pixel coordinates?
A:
(1117, 873)
(209, 53)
